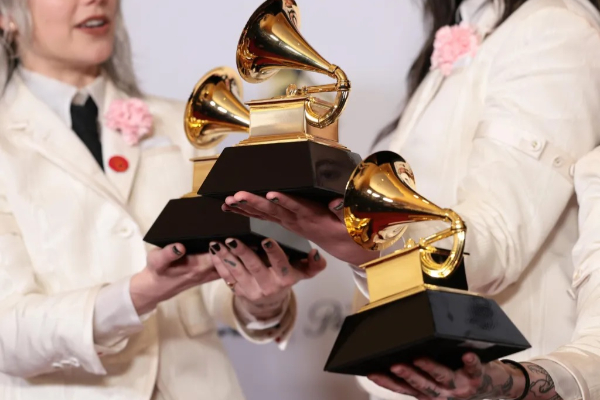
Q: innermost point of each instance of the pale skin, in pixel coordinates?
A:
(70, 41)
(319, 224)
(259, 289)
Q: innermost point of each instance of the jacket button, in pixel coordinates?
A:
(558, 162)
(126, 230)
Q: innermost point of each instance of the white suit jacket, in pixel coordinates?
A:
(66, 230)
(497, 141)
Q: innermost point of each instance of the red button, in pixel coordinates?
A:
(118, 164)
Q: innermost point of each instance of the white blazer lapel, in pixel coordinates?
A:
(113, 146)
(41, 129)
(486, 15)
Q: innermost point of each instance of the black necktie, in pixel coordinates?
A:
(84, 120)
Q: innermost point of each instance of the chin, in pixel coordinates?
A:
(95, 56)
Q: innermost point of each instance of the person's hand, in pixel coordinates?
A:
(319, 224)
(428, 380)
(169, 272)
(261, 288)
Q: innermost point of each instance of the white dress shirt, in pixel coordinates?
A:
(496, 141)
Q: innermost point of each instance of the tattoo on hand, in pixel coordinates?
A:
(507, 386)
(441, 378)
(285, 271)
(487, 389)
(226, 261)
(542, 385)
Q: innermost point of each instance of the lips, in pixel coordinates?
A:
(94, 22)
(98, 25)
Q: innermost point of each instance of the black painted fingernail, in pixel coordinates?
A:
(233, 205)
(317, 256)
(211, 251)
(215, 247)
(268, 244)
(226, 210)
(274, 200)
(339, 206)
(232, 244)
(177, 252)
(243, 201)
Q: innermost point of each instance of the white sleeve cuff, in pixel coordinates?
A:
(279, 331)
(115, 317)
(360, 278)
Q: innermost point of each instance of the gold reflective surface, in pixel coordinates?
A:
(283, 120)
(202, 166)
(214, 108)
(271, 42)
(380, 202)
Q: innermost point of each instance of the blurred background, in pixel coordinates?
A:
(175, 43)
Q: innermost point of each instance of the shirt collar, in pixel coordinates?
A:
(483, 15)
(59, 95)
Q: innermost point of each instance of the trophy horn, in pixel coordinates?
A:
(381, 200)
(214, 108)
(271, 42)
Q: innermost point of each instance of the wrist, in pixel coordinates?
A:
(265, 309)
(353, 254)
(141, 289)
(364, 257)
(520, 381)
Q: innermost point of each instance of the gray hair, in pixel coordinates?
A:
(119, 67)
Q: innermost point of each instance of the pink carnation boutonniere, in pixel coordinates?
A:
(131, 118)
(453, 43)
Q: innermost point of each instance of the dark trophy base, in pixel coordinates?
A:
(434, 324)
(196, 221)
(306, 169)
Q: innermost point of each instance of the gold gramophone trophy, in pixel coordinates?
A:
(293, 143)
(419, 300)
(213, 111)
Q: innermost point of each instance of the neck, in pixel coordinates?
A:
(75, 76)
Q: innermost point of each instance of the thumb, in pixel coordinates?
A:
(160, 259)
(337, 207)
(316, 263)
